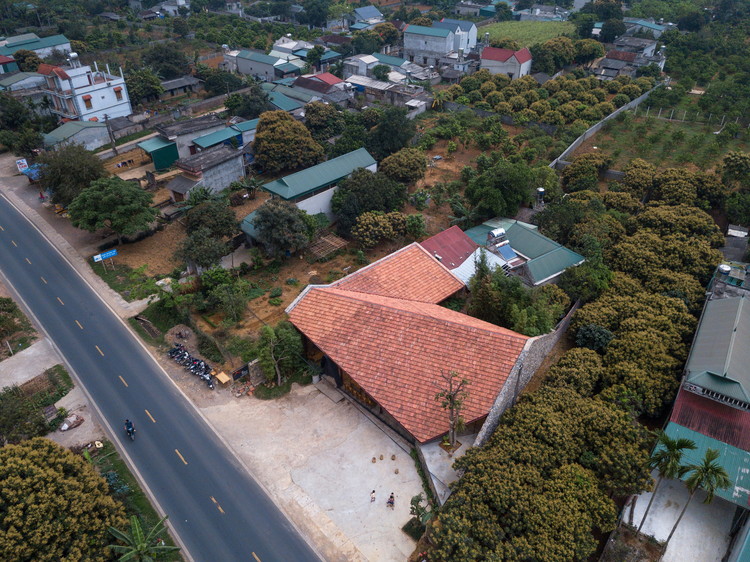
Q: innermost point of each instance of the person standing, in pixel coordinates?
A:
(372, 496)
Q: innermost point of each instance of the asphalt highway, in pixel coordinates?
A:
(218, 511)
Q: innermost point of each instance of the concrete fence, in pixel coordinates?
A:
(591, 131)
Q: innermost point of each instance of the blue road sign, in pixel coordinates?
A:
(105, 255)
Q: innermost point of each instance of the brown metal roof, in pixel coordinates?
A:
(713, 419)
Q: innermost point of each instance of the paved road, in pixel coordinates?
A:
(219, 512)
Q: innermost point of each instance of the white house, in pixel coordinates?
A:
(172, 7)
(80, 93)
(427, 45)
(506, 61)
(465, 33)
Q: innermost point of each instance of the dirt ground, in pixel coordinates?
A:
(156, 251)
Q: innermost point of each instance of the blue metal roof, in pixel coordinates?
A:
(283, 102)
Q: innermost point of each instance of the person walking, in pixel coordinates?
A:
(372, 496)
(391, 501)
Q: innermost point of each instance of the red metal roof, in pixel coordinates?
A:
(713, 419)
(6, 60)
(409, 273)
(621, 55)
(452, 245)
(503, 55)
(328, 78)
(396, 350)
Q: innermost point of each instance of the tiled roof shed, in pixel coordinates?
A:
(322, 175)
(452, 246)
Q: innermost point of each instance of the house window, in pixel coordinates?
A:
(118, 93)
(87, 101)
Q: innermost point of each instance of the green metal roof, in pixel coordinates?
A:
(735, 461)
(34, 44)
(154, 144)
(553, 263)
(247, 226)
(359, 26)
(322, 175)
(329, 55)
(430, 31)
(720, 354)
(245, 126)
(257, 57)
(287, 67)
(283, 102)
(69, 129)
(10, 80)
(388, 59)
(217, 137)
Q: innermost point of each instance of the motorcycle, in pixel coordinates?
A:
(131, 432)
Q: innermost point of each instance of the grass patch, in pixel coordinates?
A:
(162, 317)
(207, 347)
(125, 488)
(423, 477)
(121, 278)
(528, 33)
(414, 529)
(267, 393)
(242, 348)
(16, 331)
(125, 139)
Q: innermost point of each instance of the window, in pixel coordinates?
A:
(118, 93)
(87, 101)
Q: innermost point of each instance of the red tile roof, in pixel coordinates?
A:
(328, 78)
(48, 69)
(502, 55)
(396, 350)
(452, 245)
(410, 273)
(621, 55)
(6, 60)
(713, 419)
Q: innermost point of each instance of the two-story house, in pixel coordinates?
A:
(427, 45)
(506, 61)
(79, 93)
(464, 33)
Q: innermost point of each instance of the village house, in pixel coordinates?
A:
(325, 85)
(215, 169)
(77, 92)
(267, 67)
(22, 83)
(185, 85)
(514, 64)
(401, 69)
(235, 135)
(464, 33)
(43, 46)
(182, 133)
(90, 134)
(8, 64)
(542, 12)
(513, 246)
(646, 47)
(427, 45)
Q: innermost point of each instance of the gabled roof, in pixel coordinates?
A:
(180, 82)
(244, 126)
(321, 175)
(181, 184)
(621, 55)
(6, 60)
(388, 59)
(503, 55)
(283, 102)
(711, 418)
(429, 31)
(309, 83)
(70, 129)
(207, 159)
(720, 355)
(10, 79)
(452, 245)
(189, 126)
(367, 12)
(31, 42)
(462, 24)
(394, 276)
(220, 136)
(48, 69)
(396, 347)
(328, 78)
(257, 57)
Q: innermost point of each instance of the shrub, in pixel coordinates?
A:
(593, 337)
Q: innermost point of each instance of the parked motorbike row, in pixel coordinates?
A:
(198, 367)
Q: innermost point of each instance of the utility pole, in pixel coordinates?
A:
(111, 134)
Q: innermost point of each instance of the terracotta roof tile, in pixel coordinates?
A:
(452, 245)
(396, 349)
(621, 55)
(410, 273)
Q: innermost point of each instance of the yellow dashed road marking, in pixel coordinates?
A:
(123, 381)
(99, 350)
(150, 416)
(181, 457)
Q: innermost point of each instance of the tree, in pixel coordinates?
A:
(451, 397)
(611, 30)
(738, 208)
(366, 41)
(388, 33)
(735, 169)
(280, 351)
(587, 50)
(28, 61)
(217, 81)
(424, 21)
(406, 166)
(201, 248)
(215, 215)
(666, 459)
(316, 12)
(381, 72)
(113, 203)
(143, 84)
(710, 476)
(166, 59)
(20, 418)
(338, 11)
(180, 27)
(365, 191)
(27, 142)
(323, 121)
(69, 170)
(139, 546)
(313, 57)
(593, 337)
(283, 143)
(281, 227)
(393, 131)
(55, 505)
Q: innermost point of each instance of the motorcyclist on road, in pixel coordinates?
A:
(129, 427)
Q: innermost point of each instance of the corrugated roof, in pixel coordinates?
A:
(287, 67)
(33, 44)
(154, 144)
(216, 137)
(257, 57)
(452, 245)
(283, 102)
(327, 173)
(429, 31)
(181, 184)
(9, 80)
(467, 269)
(329, 55)
(205, 159)
(735, 461)
(368, 12)
(553, 263)
(244, 126)
(69, 129)
(359, 26)
(463, 24)
(247, 225)
(180, 82)
(395, 276)
(720, 355)
(388, 59)
(714, 419)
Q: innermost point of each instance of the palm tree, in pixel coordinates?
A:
(139, 546)
(666, 459)
(441, 96)
(710, 476)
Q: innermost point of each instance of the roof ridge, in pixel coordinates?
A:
(732, 340)
(353, 295)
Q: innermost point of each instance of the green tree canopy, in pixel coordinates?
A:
(201, 248)
(69, 170)
(249, 105)
(28, 61)
(392, 133)
(362, 192)
(166, 59)
(280, 352)
(143, 84)
(281, 227)
(215, 215)
(113, 203)
(55, 505)
(323, 121)
(406, 166)
(283, 143)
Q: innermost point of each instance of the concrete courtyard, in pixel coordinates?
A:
(703, 533)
